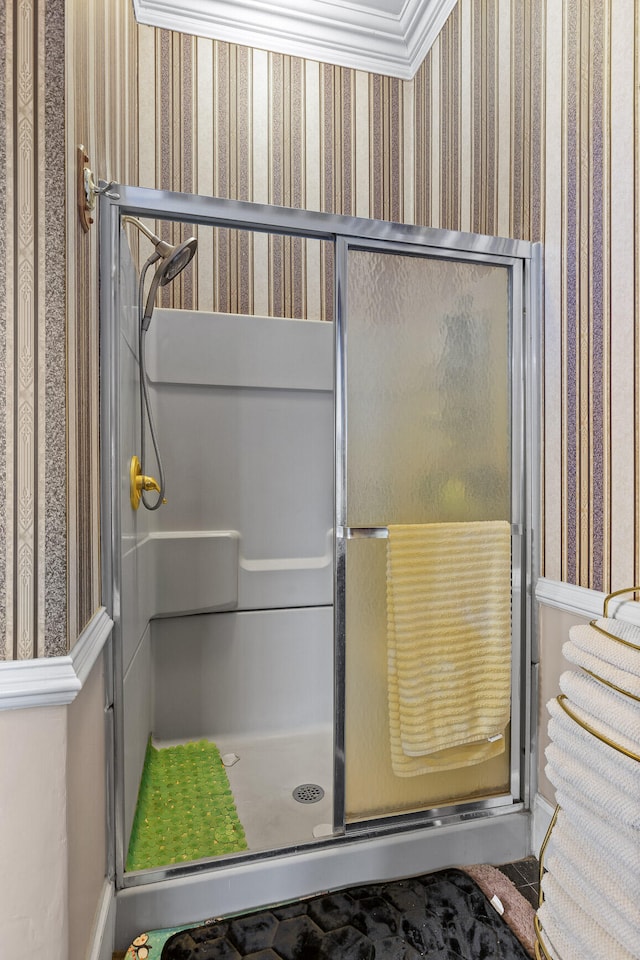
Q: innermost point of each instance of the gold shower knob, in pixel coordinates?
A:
(139, 482)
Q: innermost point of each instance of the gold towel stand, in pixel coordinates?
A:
(541, 951)
(617, 593)
(612, 636)
(607, 683)
(561, 700)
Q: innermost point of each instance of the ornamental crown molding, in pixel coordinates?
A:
(391, 37)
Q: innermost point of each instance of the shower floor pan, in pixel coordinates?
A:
(264, 778)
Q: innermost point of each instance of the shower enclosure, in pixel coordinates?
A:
(326, 390)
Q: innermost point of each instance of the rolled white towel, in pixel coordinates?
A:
(600, 667)
(550, 948)
(609, 840)
(555, 936)
(580, 761)
(566, 774)
(621, 655)
(584, 739)
(576, 935)
(612, 709)
(594, 883)
(624, 630)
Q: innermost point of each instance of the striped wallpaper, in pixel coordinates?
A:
(592, 284)
(33, 548)
(520, 122)
(214, 118)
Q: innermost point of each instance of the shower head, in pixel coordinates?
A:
(174, 263)
(175, 259)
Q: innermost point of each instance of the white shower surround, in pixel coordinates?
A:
(237, 567)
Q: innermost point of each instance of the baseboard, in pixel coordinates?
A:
(540, 820)
(104, 927)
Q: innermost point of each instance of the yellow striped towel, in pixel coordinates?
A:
(449, 643)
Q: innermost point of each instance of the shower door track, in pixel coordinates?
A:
(343, 232)
(357, 833)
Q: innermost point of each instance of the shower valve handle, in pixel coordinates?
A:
(138, 482)
(148, 483)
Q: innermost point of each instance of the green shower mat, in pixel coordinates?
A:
(185, 808)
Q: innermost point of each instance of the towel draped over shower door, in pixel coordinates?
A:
(449, 643)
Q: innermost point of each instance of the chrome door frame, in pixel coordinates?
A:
(342, 231)
(520, 344)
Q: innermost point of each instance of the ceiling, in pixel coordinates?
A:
(391, 37)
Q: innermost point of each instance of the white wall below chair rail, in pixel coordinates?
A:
(50, 681)
(584, 602)
(103, 933)
(541, 816)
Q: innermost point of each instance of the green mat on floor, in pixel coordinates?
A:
(185, 808)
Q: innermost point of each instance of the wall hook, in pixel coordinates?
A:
(88, 190)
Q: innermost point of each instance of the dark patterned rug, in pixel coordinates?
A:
(442, 916)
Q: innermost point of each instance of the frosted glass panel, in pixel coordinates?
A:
(428, 423)
(427, 391)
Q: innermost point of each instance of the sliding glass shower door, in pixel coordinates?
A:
(428, 502)
(420, 671)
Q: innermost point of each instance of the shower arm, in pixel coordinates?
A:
(163, 249)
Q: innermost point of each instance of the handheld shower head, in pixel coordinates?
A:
(174, 263)
(175, 259)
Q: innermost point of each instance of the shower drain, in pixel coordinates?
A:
(308, 793)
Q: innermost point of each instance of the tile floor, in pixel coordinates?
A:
(524, 874)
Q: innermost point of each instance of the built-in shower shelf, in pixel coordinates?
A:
(191, 571)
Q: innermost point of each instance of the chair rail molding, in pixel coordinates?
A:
(391, 37)
(585, 602)
(54, 681)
